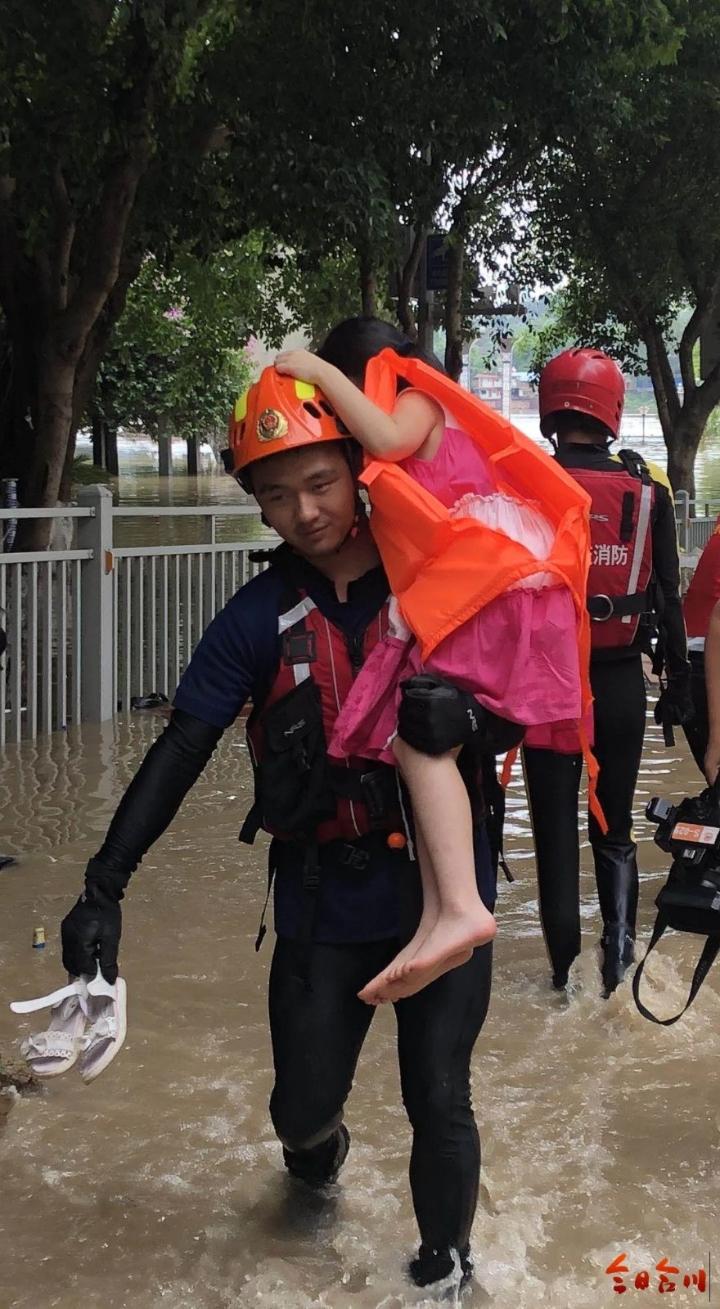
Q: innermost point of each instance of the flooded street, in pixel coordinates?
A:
(161, 1184)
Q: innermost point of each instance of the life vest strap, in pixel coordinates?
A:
(376, 788)
(593, 772)
(641, 536)
(602, 608)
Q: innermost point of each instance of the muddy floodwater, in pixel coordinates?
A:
(160, 1186)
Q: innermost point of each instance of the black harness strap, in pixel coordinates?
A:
(704, 964)
(634, 464)
(627, 516)
(262, 929)
(376, 788)
(603, 607)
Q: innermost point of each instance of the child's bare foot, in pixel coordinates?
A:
(373, 993)
(386, 990)
(448, 944)
(396, 967)
(403, 987)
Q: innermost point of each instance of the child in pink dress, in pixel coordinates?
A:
(518, 656)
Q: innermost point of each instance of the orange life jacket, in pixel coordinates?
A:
(443, 570)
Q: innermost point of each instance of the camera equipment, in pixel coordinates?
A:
(690, 899)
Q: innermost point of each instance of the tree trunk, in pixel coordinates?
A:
(406, 281)
(682, 452)
(65, 492)
(97, 441)
(17, 434)
(453, 308)
(663, 380)
(54, 408)
(111, 451)
(164, 448)
(192, 456)
(368, 283)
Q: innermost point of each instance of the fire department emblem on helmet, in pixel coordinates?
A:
(271, 425)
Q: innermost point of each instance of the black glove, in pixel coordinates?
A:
(675, 704)
(435, 717)
(91, 931)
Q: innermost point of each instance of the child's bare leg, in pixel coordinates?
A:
(373, 992)
(442, 814)
(431, 901)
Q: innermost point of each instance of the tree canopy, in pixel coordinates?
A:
(626, 207)
(141, 140)
(176, 354)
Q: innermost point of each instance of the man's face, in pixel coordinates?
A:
(308, 497)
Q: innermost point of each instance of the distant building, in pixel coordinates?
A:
(487, 384)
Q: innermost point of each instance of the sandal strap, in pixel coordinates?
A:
(104, 1029)
(49, 1045)
(55, 998)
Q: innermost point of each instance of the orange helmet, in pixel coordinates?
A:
(277, 414)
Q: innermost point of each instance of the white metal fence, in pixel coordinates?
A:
(696, 521)
(165, 596)
(89, 628)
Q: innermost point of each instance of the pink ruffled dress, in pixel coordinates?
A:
(518, 655)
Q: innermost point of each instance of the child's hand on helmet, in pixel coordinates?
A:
(302, 364)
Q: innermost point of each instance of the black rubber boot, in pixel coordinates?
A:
(618, 951)
(321, 1165)
(435, 1265)
(617, 882)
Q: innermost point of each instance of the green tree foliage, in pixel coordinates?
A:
(112, 146)
(627, 204)
(174, 128)
(176, 356)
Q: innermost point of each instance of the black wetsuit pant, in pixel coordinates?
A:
(698, 729)
(553, 782)
(318, 1027)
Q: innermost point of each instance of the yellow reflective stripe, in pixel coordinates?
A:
(304, 390)
(241, 407)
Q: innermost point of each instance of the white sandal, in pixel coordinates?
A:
(107, 1026)
(55, 1050)
(87, 1018)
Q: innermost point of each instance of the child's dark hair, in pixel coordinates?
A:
(568, 421)
(353, 343)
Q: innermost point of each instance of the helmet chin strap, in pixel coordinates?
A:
(355, 528)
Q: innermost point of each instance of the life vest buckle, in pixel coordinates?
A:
(602, 617)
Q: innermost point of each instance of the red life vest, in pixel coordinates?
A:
(704, 590)
(290, 730)
(621, 549)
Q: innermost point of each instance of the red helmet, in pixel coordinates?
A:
(587, 381)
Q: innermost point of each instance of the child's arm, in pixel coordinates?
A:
(712, 685)
(416, 423)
